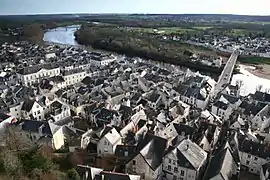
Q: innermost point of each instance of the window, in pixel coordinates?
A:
(134, 162)
(247, 163)
(38, 112)
(255, 158)
(249, 156)
(175, 169)
(105, 142)
(39, 117)
(174, 162)
(15, 109)
(174, 178)
(181, 178)
(182, 173)
(169, 168)
(170, 161)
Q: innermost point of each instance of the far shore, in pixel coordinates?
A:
(262, 70)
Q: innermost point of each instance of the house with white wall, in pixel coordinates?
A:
(225, 105)
(147, 161)
(253, 155)
(31, 109)
(59, 111)
(15, 110)
(109, 139)
(98, 59)
(185, 162)
(34, 74)
(36, 131)
(222, 166)
(222, 110)
(261, 120)
(74, 76)
(6, 120)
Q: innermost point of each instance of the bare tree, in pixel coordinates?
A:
(267, 90)
(14, 140)
(239, 83)
(259, 87)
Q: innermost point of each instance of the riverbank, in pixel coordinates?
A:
(262, 70)
(134, 44)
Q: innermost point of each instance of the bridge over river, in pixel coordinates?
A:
(62, 35)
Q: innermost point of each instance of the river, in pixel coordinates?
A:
(66, 36)
(62, 35)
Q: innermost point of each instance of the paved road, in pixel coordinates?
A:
(225, 77)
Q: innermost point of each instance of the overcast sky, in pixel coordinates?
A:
(245, 7)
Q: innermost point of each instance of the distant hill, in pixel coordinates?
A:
(206, 17)
(210, 17)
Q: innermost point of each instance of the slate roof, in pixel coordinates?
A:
(254, 148)
(153, 152)
(182, 128)
(88, 81)
(56, 79)
(220, 164)
(33, 126)
(36, 68)
(181, 89)
(190, 155)
(90, 108)
(253, 109)
(154, 97)
(231, 99)
(56, 105)
(221, 105)
(105, 131)
(125, 111)
(105, 114)
(261, 96)
(141, 144)
(196, 79)
(194, 92)
(3, 116)
(59, 93)
(136, 97)
(121, 149)
(88, 173)
(27, 105)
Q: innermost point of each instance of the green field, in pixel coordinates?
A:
(163, 30)
(203, 27)
(254, 60)
(250, 22)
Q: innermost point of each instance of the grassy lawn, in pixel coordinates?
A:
(250, 22)
(169, 30)
(165, 30)
(239, 32)
(202, 27)
(255, 60)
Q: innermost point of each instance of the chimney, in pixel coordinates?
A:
(40, 129)
(21, 124)
(187, 147)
